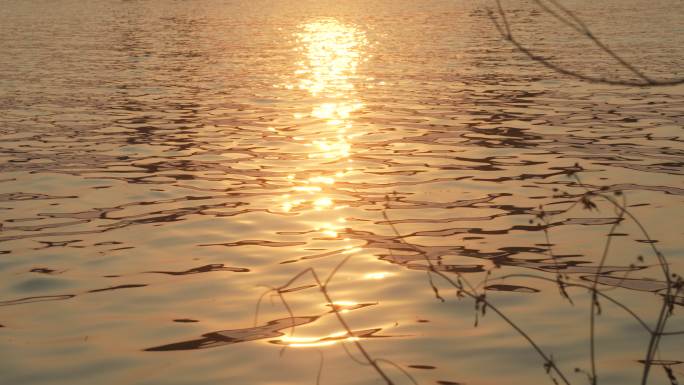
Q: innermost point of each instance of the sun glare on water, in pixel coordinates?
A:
(331, 52)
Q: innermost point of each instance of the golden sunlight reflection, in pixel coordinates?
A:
(309, 342)
(331, 52)
(377, 275)
(326, 339)
(345, 306)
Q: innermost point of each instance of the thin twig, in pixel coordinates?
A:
(506, 33)
(548, 361)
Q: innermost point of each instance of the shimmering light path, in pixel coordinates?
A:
(165, 164)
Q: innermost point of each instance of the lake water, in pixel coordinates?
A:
(165, 162)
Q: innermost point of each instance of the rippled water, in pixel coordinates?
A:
(165, 162)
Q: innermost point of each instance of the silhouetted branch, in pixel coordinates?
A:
(674, 287)
(464, 288)
(600, 294)
(579, 26)
(469, 291)
(323, 286)
(594, 299)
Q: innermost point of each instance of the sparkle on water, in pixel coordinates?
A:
(165, 163)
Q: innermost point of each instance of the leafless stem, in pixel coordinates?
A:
(579, 26)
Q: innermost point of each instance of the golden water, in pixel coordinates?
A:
(164, 163)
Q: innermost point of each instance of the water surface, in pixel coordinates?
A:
(164, 163)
